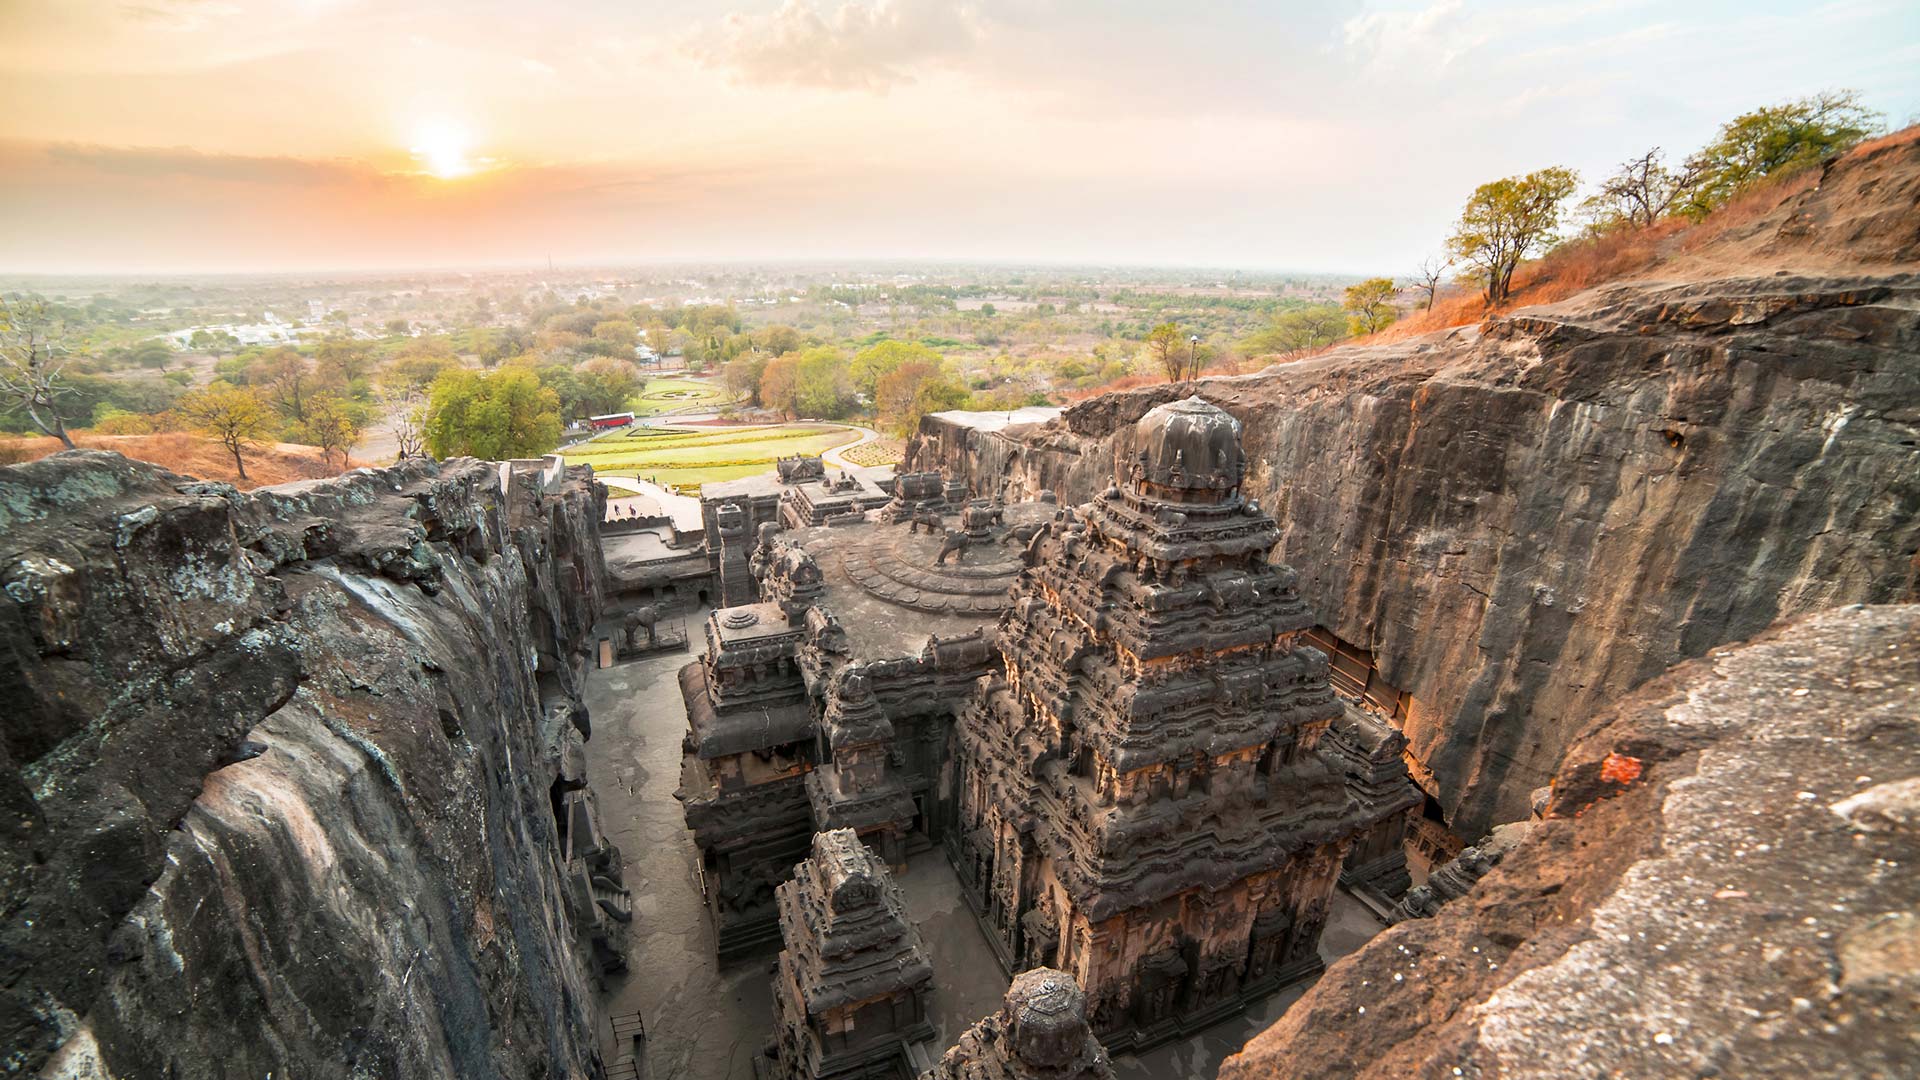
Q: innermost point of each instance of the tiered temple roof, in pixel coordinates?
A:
(853, 977)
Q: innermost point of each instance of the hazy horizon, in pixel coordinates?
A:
(181, 137)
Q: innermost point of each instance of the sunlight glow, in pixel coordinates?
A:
(441, 149)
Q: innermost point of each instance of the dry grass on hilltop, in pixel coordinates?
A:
(189, 455)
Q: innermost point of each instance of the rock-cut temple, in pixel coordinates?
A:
(1108, 716)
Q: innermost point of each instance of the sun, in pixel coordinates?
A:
(441, 149)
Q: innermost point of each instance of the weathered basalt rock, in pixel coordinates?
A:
(1721, 885)
(851, 988)
(1040, 1033)
(281, 772)
(1526, 520)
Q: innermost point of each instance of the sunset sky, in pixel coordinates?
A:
(161, 135)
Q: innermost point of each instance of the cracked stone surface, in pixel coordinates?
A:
(275, 768)
(1724, 885)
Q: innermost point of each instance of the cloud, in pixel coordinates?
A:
(1436, 35)
(871, 45)
(180, 15)
(180, 162)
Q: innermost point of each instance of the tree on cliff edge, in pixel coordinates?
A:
(1507, 220)
(505, 414)
(1369, 306)
(1774, 141)
(33, 365)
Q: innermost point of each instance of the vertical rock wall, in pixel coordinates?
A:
(278, 767)
(1526, 521)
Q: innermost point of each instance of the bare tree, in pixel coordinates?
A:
(33, 364)
(1427, 278)
(404, 409)
(1642, 191)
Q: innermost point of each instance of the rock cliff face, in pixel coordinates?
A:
(1527, 519)
(1722, 885)
(278, 772)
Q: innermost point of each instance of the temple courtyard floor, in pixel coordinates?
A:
(706, 1020)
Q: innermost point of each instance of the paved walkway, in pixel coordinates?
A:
(832, 457)
(706, 1021)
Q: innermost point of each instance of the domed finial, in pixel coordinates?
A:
(1046, 1017)
(1189, 450)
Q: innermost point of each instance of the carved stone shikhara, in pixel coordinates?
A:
(852, 984)
(1371, 754)
(1041, 1033)
(1143, 798)
(1128, 771)
(744, 764)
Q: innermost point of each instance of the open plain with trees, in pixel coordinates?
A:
(505, 363)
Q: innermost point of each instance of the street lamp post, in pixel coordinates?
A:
(1193, 355)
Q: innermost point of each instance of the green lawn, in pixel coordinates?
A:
(687, 456)
(688, 481)
(675, 392)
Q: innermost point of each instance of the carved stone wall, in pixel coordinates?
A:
(1143, 801)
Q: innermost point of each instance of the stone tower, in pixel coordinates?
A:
(736, 581)
(854, 786)
(1041, 1033)
(1141, 799)
(853, 980)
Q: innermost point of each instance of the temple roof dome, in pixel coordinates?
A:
(1189, 445)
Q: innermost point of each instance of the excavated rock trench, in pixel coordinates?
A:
(277, 767)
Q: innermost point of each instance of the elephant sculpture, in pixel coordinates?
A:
(645, 616)
(956, 541)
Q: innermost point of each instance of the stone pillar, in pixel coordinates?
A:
(1040, 1033)
(736, 582)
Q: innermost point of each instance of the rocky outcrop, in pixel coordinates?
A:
(1721, 885)
(1525, 520)
(281, 772)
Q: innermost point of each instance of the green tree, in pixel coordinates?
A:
(285, 379)
(1173, 352)
(823, 391)
(151, 354)
(1300, 330)
(212, 342)
(1507, 220)
(1370, 306)
(333, 424)
(780, 385)
(1774, 141)
(874, 362)
(607, 385)
(497, 415)
(410, 371)
(232, 414)
(777, 339)
(912, 390)
(339, 361)
(742, 376)
(619, 335)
